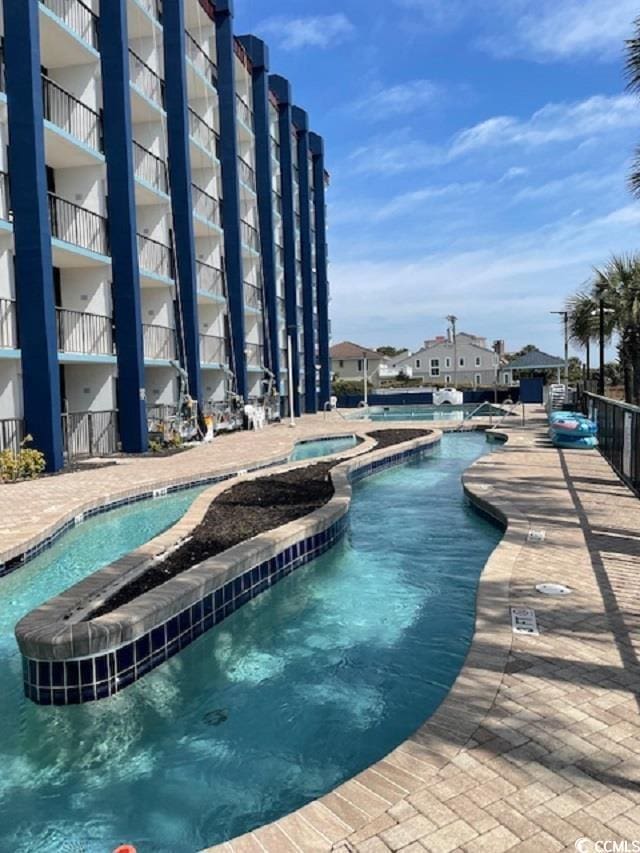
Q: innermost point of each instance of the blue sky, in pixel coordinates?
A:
(478, 152)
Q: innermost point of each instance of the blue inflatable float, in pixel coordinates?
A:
(572, 430)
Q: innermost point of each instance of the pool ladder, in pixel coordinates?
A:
(472, 414)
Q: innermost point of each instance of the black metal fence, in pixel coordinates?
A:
(155, 257)
(90, 434)
(82, 332)
(69, 113)
(11, 434)
(78, 17)
(618, 435)
(77, 225)
(150, 168)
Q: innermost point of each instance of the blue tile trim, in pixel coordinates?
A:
(73, 682)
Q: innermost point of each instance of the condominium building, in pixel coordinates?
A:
(162, 203)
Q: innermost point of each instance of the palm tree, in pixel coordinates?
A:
(583, 323)
(632, 69)
(618, 283)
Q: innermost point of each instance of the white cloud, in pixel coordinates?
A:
(406, 202)
(513, 173)
(553, 124)
(321, 31)
(396, 100)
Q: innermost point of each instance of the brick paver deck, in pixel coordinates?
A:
(538, 742)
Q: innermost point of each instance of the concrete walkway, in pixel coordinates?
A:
(538, 743)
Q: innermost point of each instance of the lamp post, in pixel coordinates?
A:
(366, 379)
(565, 317)
(602, 310)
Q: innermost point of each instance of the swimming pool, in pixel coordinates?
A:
(295, 692)
(426, 413)
(322, 447)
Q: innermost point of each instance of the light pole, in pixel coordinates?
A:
(565, 316)
(602, 310)
(366, 379)
(452, 319)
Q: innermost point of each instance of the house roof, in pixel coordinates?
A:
(535, 360)
(347, 349)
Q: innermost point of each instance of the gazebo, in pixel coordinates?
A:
(533, 362)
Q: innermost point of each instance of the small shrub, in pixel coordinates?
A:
(26, 464)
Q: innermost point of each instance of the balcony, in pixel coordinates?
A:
(252, 296)
(247, 174)
(282, 308)
(11, 434)
(155, 258)
(159, 343)
(150, 168)
(90, 433)
(8, 326)
(279, 255)
(146, 80)
(77, 225)
(212, 350)
(206, 206)
(201, 61)
(210, 280)
(275, 149)
(254, 354)
(78, 17)
(204, 134)
(83, 333)
(277, 203)
(249, 236)
(5, 198)
(245, 113)
(3, 82)
(153, 7)
(68, 113)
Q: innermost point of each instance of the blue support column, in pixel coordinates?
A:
(231, 188)
(32, 232)
(282, 90)
(259, 55)
(181, 197)
(322, 282)
(301, 123)
(118, 149)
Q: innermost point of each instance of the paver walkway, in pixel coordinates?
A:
(538, 743)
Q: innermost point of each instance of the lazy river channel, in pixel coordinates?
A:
(299, 690)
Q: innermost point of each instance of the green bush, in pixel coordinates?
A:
(26, 464)
(342, 387)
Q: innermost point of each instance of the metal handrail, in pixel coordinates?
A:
(212, 349)
(146, 79)
(247, 173)
(70, 114)
(159, 342)
(82, 332)
(90, 433)
(249, 235)
(252, 295)
(5, 198)
(245, 111)
(155, 257)
(210, 279)
(201, 60)
(78, 17)
(150, 168)
(8, 324)
(77, 225)
(203, 133)
(206, 206)
(254, 354)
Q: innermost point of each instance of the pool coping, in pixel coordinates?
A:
(335, 816)
(68, 661)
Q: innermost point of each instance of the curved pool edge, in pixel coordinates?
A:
(63, 656)
(336, 816)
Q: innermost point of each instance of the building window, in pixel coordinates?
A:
(359, 365)
(447, 380)
(435, 367)
(418, 363)
(461, 361)
(447, 362)
(478, 378)
(341, 364)
(505, 378)
(478, 362)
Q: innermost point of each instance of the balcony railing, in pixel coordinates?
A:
(247, 174)
(212, 350)
(77, 16)
(249, 236)
(205, 65)
(204, 134)
(8, 327)
(275, 148)
(5, 198)
(80, 332)
(210, 279)
(150, 168)
(254, 354)
(284, 358)
(3, 82)
(155, 257)
(11, 434)
(245, 112)
(90, 433)
(206, 206)
(159, 342)
(153, 7)
(146, 79)
(282, 307)
(69, 113)
(252, 296)
(77, 225)
(277, 203)
(279, 254)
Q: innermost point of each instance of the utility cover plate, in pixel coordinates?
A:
(523, 621)
(536, 535)
(553, 589)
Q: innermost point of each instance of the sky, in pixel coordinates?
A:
(478, 152)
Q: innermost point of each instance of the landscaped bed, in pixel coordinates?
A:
(244, 511)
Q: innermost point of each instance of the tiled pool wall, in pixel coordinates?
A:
(158, 491)
(80, 680)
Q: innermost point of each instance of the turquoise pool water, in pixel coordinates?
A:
(300, 689)
(427, 413)
(322, 447)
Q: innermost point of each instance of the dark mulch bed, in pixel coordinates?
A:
(244, 511)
